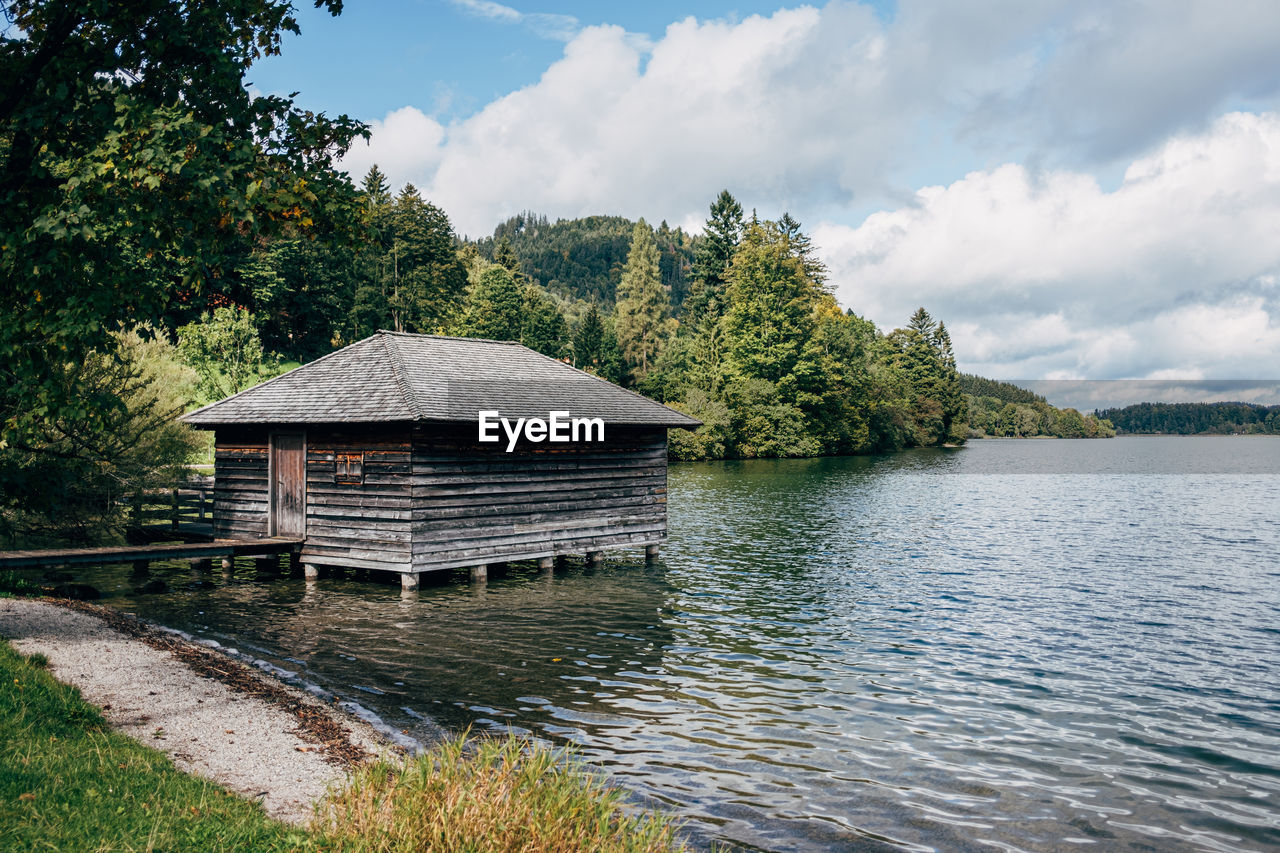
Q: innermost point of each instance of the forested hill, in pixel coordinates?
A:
(1005, 392)
(1195, 419)
(1003, 409)
(583, 259)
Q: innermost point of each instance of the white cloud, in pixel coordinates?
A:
(831, 112)
(543, 24)
(405, 145)
(1175, 270)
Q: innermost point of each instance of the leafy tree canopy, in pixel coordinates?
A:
(127, 134)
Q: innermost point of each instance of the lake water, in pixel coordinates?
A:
(1034, 645)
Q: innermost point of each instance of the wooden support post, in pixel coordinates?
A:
(202, 564)
(479, 574)
(651, 552)
(547, 563)
(594, 557)
(408, 581)
(228, 564)
(311, 571)
(295, 561)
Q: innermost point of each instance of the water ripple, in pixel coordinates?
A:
(1018, 646)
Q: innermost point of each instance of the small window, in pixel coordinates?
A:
(350, 468)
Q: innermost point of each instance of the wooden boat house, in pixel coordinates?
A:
(373, 456)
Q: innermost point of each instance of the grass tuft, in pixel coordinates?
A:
(488, 794)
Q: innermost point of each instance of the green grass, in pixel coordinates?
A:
(490, 794)
(12, 583)
(67, 782)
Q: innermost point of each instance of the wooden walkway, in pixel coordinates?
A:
(146, 553)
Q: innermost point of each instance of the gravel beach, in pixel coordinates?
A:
(213, 716)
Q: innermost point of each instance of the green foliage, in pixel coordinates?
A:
(770, 306)
(224, 350)
(977, 386)
(922, 357)
(72, 478)
(135, 166)
(409, 277)
(765, 425)
(1195, 418)
(582, 259)
(490, 794)
(713, 439)
(300, 292)
(542, 327)
(993, 416)
(67, 782)
(643, 323)
(720, 238)
(494, 307)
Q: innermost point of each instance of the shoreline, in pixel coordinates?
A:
(213, 716)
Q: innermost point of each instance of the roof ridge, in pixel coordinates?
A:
(397, 371)
(449, 338)
(266, 382)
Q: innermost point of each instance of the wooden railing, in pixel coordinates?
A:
(185, 507)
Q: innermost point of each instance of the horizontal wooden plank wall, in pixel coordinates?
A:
(363, 525)
(474, 503)
(241, 490)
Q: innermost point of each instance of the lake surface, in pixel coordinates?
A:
(1017, 645)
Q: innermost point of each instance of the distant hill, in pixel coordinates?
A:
(1195, 418)
(1005, 392)
(1002, 409)
(584, 258)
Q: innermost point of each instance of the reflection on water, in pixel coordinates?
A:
(1030, 645)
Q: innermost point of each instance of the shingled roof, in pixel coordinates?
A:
(392, 376)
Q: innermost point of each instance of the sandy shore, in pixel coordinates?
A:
(212, 715)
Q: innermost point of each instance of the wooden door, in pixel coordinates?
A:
(288, 484)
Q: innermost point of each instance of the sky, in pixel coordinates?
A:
(1080, 190)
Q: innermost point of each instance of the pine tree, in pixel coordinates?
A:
(505, 256)
(427, 277)
(720, 238)
(377, 192)
(542, 328)
(770, 306)
(494, 307)
(588, 340)
(802, 248)
(642, 323)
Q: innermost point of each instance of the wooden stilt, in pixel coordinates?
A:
(479, 573)
(202, 564)
(594, 557)
(547, 563)
(228, 565)
(311, 571)
(651, 552)
(408, 581)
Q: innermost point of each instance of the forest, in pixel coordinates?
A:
(736, 325)
(171, 237)
(1004, 410)
(1195, 419)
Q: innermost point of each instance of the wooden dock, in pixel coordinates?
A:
(140, 555)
